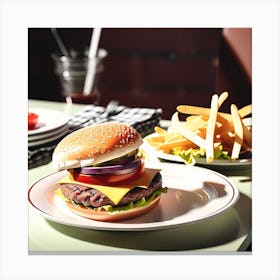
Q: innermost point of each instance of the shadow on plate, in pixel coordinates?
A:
(215, 231)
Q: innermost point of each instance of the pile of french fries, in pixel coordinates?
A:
(206, 128)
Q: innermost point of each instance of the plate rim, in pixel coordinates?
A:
(36, 110)
(201, 161)
(108, 226)
(50, 133)
(34, 143)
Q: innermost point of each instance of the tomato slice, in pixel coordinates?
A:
(108, 179)
(32, 120)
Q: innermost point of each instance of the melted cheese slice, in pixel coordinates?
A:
(116, 193)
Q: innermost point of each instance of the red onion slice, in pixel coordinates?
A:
(119, 161)
(117, 169)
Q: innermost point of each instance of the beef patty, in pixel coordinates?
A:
(92, 197)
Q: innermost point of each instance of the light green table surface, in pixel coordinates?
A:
(228, 232)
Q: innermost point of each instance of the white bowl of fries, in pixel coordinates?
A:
(207, 136)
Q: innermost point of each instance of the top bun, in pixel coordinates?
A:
(95, 144)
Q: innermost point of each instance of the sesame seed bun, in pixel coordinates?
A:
(95, 144)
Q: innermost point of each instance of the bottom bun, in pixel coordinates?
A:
(107, 217)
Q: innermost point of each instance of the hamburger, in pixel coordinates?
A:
(106, 176)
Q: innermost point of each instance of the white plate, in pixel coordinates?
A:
(194, 194)
(50, 133)
(47, 139)
(48, 120)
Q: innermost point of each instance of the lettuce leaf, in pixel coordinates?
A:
(140, 203)
(191, 154)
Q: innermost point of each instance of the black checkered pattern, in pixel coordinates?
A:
(142, 119)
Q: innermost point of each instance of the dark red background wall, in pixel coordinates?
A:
(149, 67)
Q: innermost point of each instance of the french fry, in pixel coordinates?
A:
(195, 123)
(160, 130)
(157, 138)
(238, 129)
(173, 136)
(247, 134)
(184, 131)
(211, 128)
(247, 122)
(222, 98)
(194, 110)
(192, 118)
(245, 111)
(176, 143)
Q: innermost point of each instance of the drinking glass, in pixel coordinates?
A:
(72, 73)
